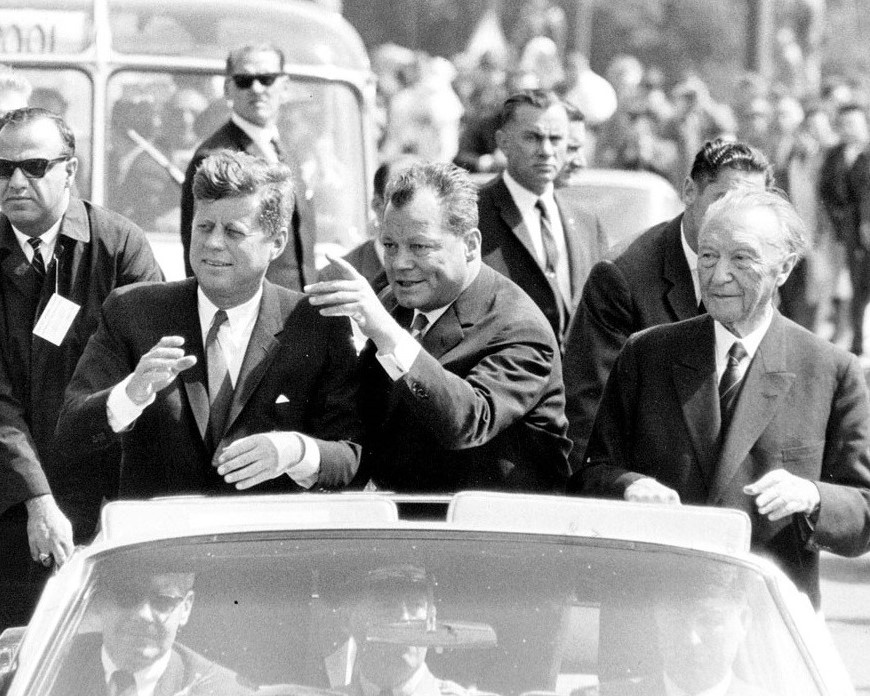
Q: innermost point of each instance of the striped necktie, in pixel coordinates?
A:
(729, 385)
(38, 262)
(220, 386)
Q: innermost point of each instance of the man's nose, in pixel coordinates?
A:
(403, 258)
(18, 180)
(215, 239)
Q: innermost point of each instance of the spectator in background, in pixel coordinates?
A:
(255, 83)
(545, 240)
(487, 89)
(575, 152)
(643, 150)
(49, 99)
(587, 90)
(540, 18)
(844, 188)
(15, 90)
(541, 62)
(51, 243)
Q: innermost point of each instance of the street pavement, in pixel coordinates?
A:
(846, 606)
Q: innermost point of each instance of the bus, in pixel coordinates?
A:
(140, 82)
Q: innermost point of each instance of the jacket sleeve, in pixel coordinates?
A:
(601, 325)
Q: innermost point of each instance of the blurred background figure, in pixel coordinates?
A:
(15, 89)
(575, 155)
(541, 63)
(587, 90)
(483, 88)
(540, 18)
(49, 99)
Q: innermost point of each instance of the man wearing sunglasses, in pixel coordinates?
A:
(54, 249)
(135, 653)
(255, 85)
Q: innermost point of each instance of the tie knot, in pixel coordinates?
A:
(219, 318)
(737, 352)
(418, 326)
(35, 242)
(542, 209)
(122, 682)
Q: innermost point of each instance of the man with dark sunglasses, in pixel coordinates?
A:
(135, 653)
(60, 257)
(255, 84)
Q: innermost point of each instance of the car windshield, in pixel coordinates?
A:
(501, 614)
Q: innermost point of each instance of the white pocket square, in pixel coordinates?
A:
(282, 400)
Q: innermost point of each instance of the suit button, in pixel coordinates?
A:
(419, 390)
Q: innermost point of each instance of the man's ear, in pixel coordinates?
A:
(72, 166)
(689, 191)
(279, 241)
(786, 266)
(472, 240)
(186, 607)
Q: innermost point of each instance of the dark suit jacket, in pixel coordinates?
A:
(482, 406)
(648, 284)
(293, 352)
(845, 193)
(295, 267)
(507, 246)
(803, 407)
(82, 673)
(96, 252)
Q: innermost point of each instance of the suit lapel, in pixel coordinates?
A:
(513, 218)
(694, 375)
(765, 386)
(680, 296)
(262, 348)
(171, 682)
(194, 379)
(579, 246)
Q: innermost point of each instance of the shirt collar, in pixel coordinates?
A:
(146, 678)
(432, 315)
(725, 339)
(257, 133)
(524, 198)
(238, 316)
(49, 237)
(720, 689)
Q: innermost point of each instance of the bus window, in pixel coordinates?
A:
(70, 94)
(156, 120)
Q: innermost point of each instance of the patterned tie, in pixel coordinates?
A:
(122, 684)
(220, 387)
(418, 326)
(729, 385)
(38, 263)
(551, 255)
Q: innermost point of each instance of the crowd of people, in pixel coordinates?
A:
(505, 344)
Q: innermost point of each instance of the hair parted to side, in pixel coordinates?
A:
(718, 155)
(451, 185)
(27, 114)
(231, 174)
(538, 98)
(238, 54)
(575, 115)
(793, 230)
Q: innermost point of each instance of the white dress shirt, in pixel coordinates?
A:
(233, 336)
(262, 136)
(725, 339)
(46, 249)
(146, 679)
(525, 201)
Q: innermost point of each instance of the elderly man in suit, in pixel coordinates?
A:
(255, 85)
(224, 381)
(541, 238)
(462, 380)
(742, 407)
(135, 651)
(56, 251)
(654, 281)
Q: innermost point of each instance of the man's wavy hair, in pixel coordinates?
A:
(718, 155)
(451, 185)
(28, 114)
(231, 174)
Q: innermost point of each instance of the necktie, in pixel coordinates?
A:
(551, 255)
(38, 263)
(701, 308)
(220, 387)
(122, 684)
(418, 326)
(729, 385)
(279, 152)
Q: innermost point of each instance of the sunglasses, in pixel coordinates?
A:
(161, 604)
(245, 81)
(31, 168)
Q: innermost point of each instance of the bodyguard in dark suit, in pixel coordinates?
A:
(255, 84)
(223, 381)
(542, 239)
(462, 382)
(51, 243)
(654, 281)
(742, 408)
(135, 651)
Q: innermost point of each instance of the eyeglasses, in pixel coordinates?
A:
(161, 604)
(245, 80)
(31, 168)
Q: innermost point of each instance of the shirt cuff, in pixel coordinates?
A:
(306, 471)
(398, 363)
(120, 408)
